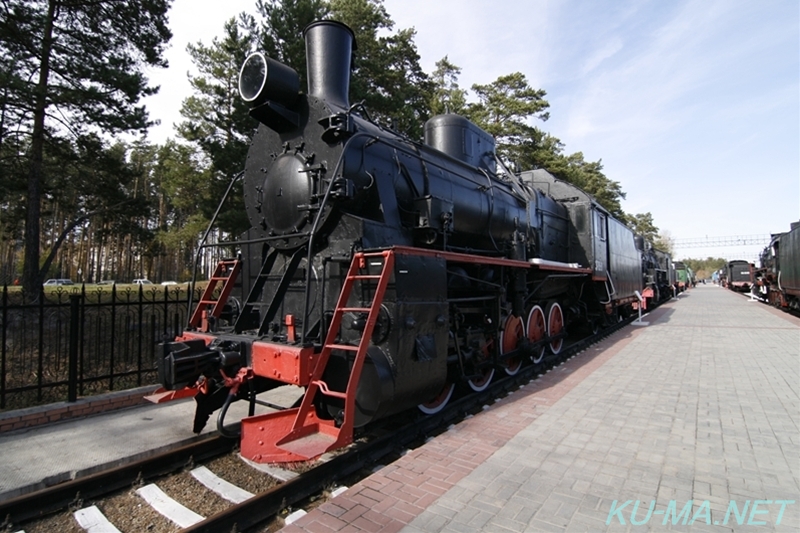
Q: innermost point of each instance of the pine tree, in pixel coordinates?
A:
(281, 30)
(217, 120)
(447, 96)
(78, 66)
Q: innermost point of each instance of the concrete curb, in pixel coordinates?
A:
(54, 412)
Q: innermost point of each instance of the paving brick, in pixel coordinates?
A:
(393, 527)
(387, 503)
(435, 486)
(426, 500)
(501, 525)
(332, 509)
(332, 522)
(354, 513)
(365, 524)
(441, 509)
(315, 527)
(700, 405)
(432, 523)
(400, 515)
(345, 502)
(539, 525)
(371, 494)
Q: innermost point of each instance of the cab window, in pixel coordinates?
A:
(600, 225)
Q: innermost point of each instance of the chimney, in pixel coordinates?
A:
(329, 51)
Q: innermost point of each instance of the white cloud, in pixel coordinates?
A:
(607, 50)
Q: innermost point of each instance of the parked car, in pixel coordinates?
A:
(106, 282)
(142, 281)
(58, 282)
(166, 283)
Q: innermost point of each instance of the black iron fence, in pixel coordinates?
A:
(83, 340)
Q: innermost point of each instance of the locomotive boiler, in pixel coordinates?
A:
(381, 273)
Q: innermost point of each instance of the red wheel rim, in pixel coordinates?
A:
(510, 336)
(537, 330)
(480, 384)
(555, 325)
(438, 403)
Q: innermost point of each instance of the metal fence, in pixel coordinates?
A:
(78, 341)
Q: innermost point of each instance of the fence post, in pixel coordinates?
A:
(113, 336)
(40, 372)
(3, 349)
(74, 332)
(166, 310)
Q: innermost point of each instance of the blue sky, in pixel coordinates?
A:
(692, 105)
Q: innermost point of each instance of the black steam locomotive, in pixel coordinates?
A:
(739, 275)
(777, 281)
(381, 273)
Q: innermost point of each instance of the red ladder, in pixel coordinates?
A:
(309, 436)
(226, 272)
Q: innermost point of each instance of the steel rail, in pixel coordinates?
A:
(58, 497)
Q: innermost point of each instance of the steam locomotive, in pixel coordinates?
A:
(739, 275)
(684, 276)
(382, 274)
(777, 281)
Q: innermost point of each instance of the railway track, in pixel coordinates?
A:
(238, 509)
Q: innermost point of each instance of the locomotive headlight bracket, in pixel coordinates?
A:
(337, 127)
(343, 189)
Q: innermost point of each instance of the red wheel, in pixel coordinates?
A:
(480, 383)
(437, 404)
(486, 374)
(555, 325)
(510, 336)
(537, 329)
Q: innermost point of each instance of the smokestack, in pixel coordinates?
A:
(329, 52)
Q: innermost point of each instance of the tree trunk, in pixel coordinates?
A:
(32, 275)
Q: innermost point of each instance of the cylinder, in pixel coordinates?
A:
(329, 50)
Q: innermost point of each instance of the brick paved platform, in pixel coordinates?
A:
(690, 424)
